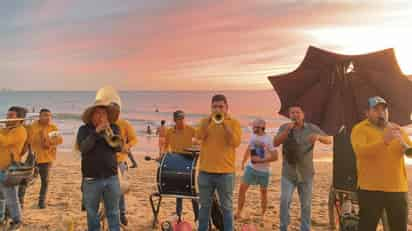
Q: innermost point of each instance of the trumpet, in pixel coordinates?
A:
(407, 148)
(53, 134)
(405, 145)
(218, 118)
(112, 139)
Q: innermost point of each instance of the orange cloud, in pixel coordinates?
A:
(202, 45)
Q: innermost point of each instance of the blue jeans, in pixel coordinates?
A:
(12, 201)
(179, 207)
(122, 202)
(305, 197)
(224, 185)
(96, 190)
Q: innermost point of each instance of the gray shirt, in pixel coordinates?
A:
(303, 170)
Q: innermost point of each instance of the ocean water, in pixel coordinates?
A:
(148, 108)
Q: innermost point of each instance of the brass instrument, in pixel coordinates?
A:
(407, 148)
(53, 134)
(112, 139)
(218, 118)
(12, 123)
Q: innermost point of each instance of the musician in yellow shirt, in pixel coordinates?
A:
(380, 147)
(179, 138)
(129, 138)
(217, 162)
(12, 140)
(44, 138)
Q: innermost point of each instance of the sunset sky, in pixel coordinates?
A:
(186, 45)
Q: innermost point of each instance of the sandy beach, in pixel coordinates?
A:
(63, 205)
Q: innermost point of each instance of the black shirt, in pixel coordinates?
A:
(98, 158)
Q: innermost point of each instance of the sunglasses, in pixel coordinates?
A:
(258, 127)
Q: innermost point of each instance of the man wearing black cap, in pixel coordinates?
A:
(179, 138)
(380, 147)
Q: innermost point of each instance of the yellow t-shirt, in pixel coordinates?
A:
(36, 134)
(179, 140)
(380, 167)
(129, 138)
(11, 143)
(217, 155)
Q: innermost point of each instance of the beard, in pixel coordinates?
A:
(380, 122)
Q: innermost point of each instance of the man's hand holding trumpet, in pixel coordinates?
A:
(393, 132)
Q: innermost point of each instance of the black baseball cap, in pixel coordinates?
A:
(179, 114)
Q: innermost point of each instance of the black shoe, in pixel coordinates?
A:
(133, 166)
(15, 226)
(123, 219)
(83, 208)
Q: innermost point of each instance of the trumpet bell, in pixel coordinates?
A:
(218, 118)
(53, 134)
(408, 152)
(112, 140)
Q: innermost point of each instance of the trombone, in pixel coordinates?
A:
(12, 123)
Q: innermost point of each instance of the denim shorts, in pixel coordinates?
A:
(253, 177)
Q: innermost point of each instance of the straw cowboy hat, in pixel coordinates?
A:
(105, 97)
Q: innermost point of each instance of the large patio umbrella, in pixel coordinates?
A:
(333, 89)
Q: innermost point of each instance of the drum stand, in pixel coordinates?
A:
(155, 198)
(155, 202)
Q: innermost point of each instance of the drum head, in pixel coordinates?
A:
(177, 175)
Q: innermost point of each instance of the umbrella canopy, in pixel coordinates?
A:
(333, 89)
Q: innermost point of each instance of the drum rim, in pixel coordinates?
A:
(193, 176)
(194, 191)
(159, 174)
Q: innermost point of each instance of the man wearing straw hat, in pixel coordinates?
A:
(99, 163)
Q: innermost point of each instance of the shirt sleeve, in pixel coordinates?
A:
(280, 130)
(86, 139)
(201, 131)
(58, 140)
(29, 130)
(237, 134)
(131, 135)
(362, 147)
(269, 143)
(406, 137)
(315, 129)
(14, 137)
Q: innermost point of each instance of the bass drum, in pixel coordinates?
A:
(177, 175)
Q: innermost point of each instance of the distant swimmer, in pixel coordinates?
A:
(149, 130)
